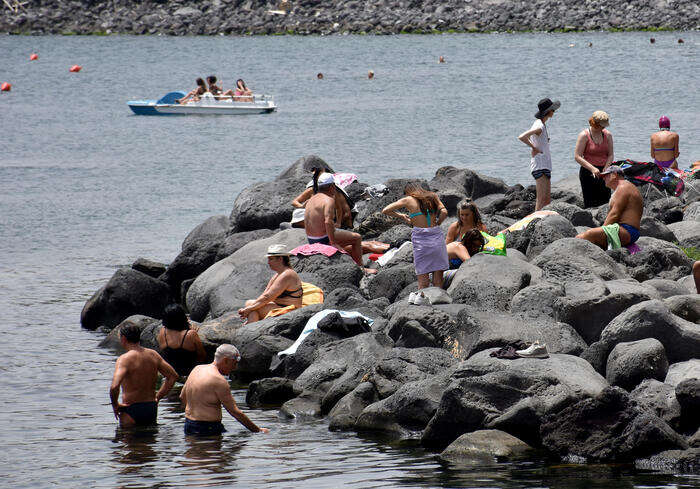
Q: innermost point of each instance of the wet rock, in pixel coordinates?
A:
(345, 413)
(687, 233)
(305, 406)
(149, 267)
(149, 332)
(509, 395)
(483, 445)
(272, 391)
(127, 292)
(672, 462)
(660, 399)
(629, 363)
(608, 427)
(650, 319)
(654, 228)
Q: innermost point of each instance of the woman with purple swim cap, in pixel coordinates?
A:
(664, 145)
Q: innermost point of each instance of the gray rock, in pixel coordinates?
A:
(187, 12)
(454, 185)
(489, 280)
(572, 213)
(272, 391)
(657, 259)
(672, 462)
(681, 371)
(538, 299)
(149, 267)
(689, 283)
(389, 282)
(650, 319)
(149, 332)
(303, 168)
(484, 444)
(666, 288)
(305, 406)
(345, 413)
(660, 399)
(213, 229)
(629, 363)
(687, 233)
(547, 231)
(667, 210)
(199, 293)
(688, 396)
(416, 326)
(395, 188)
(328, 273)
(236, 241)
(509, 395)
(608, 427)
(396, 235)
(572, 259)
(656, 229)
(479, 330)
(128, 292)
(436, 295)
(685, 306)
(692, 212)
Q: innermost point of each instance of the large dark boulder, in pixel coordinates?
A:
(666, 209)
(328, 273)
(479, 329)
(389, 282)
(573, 213)
(454, 185)
(416, 326)
(490, 281)
(629, 363)
(128, 292)
(654, 228)
(346, 411)
(235, 241)
(484, 446)
(650, 319)
(660, 399)
(273, 391)
(267, 204)
(608, 427)
(657, 259)
(546, 231)
(149, 332)
(572, 259)
(685, 306)
(509, 395)
(149, 267)
(394, 192)
(212, 229)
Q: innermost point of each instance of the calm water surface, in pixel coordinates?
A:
(86, 187)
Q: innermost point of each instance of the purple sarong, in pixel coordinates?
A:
(429, 250)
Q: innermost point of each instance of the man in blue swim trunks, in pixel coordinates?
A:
(621, 226)
(136, 373)
(207, 389)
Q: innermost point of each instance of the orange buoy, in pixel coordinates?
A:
(33, 57)
(75, 68)
(5, 87)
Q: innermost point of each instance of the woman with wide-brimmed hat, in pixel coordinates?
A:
(537, 138)
(594, 152)
(283, 289)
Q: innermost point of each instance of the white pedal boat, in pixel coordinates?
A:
(206, 105)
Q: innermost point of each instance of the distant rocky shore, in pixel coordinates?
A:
(241, 17)
(621, 384)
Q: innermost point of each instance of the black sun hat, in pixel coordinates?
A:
(545, 105)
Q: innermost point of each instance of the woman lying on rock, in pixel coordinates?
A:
(460, 251)
(426, 214)
(283, 289)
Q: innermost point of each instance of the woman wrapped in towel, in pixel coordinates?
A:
(426, 212)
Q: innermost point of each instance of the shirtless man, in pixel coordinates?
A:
(626, 206)
(136, 372)
(319, 221)
(664, 145)
(207, 389)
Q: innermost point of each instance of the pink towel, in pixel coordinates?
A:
(316, 249)
(342, 180)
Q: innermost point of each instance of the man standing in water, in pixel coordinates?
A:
(621, 226)
(136, 373)
(207, 389)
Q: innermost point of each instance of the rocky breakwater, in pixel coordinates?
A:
(623, 331)
(349, 16)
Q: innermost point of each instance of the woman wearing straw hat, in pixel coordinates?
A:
(594, 152)
(283, 289)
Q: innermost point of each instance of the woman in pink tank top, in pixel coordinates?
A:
(594, 152)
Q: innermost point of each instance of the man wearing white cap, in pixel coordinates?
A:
(207, 389)
(319, 220)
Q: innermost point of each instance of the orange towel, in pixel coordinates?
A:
(311, 295)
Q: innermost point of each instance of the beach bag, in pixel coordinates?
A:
(495, 245)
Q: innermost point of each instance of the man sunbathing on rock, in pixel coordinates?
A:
(319, 220)
(283, 289)
(621, 226)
